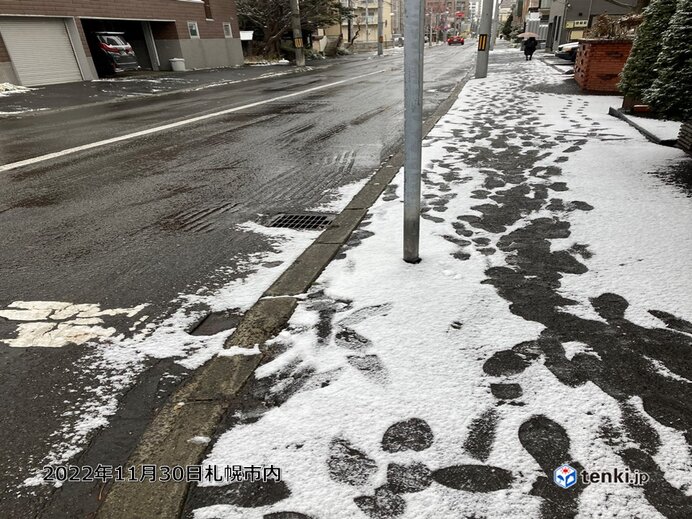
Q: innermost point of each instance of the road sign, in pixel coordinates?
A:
(483, 42)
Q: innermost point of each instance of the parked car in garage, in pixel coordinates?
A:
(455, 40)
(568, 51)
(114, 54)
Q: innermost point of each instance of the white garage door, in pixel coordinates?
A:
(40, 50)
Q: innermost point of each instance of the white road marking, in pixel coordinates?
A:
(170, 126)
(54, 324)
(24, 315)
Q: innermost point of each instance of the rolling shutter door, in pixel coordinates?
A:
(40, 50)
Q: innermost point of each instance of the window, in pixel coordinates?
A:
(207, 9)
(193, 29)
(113, 41)
(227, 30)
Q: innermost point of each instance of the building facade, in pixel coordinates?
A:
(568, 19)
(365, 20)
(52, 41)
(506, 7)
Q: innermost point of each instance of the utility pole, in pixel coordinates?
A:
(297, 33)
(413, 125)
(350, 21)
(431, 27)
(367, 20)
(484, 39)
(496, 23)
(380, 27)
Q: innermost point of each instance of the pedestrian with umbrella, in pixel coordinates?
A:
(530, 47)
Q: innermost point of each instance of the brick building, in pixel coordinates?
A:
(51, 41)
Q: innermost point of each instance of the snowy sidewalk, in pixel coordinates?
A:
(548, 324)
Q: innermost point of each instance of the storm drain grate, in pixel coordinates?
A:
(302, 221)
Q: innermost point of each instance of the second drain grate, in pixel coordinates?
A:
(302, 221)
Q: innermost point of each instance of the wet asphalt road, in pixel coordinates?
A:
(146, 219)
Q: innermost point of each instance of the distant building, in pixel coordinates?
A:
(365, 20)
(474, 13)
(505, 10)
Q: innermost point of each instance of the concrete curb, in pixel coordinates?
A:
(197, 407)
(646, 133)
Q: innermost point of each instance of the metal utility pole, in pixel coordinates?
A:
(431, 27)
(367, 20)
(413, 125)
(380, 27)
(484, 39)
(297, 33)
(350, 22)
(495, 25)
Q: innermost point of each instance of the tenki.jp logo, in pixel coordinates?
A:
(565, 476)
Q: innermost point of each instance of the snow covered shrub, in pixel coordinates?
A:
(639, 73)
(671, 92)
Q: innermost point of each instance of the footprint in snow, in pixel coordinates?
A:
(347, 464)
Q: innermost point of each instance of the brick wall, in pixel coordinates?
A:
(599, 63)
(685, 137)
(180, 11)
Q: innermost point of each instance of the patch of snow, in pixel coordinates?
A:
(237, 350)
(8, 89)
(201, 440)
(661, 128)
(574, 347)
(628, 250)
(663, 370)
(339, 198)
(673, 455)
(22, 111)
(267, 63)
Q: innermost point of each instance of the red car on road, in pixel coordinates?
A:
(455, 40)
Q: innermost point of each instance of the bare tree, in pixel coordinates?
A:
(273, 18)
